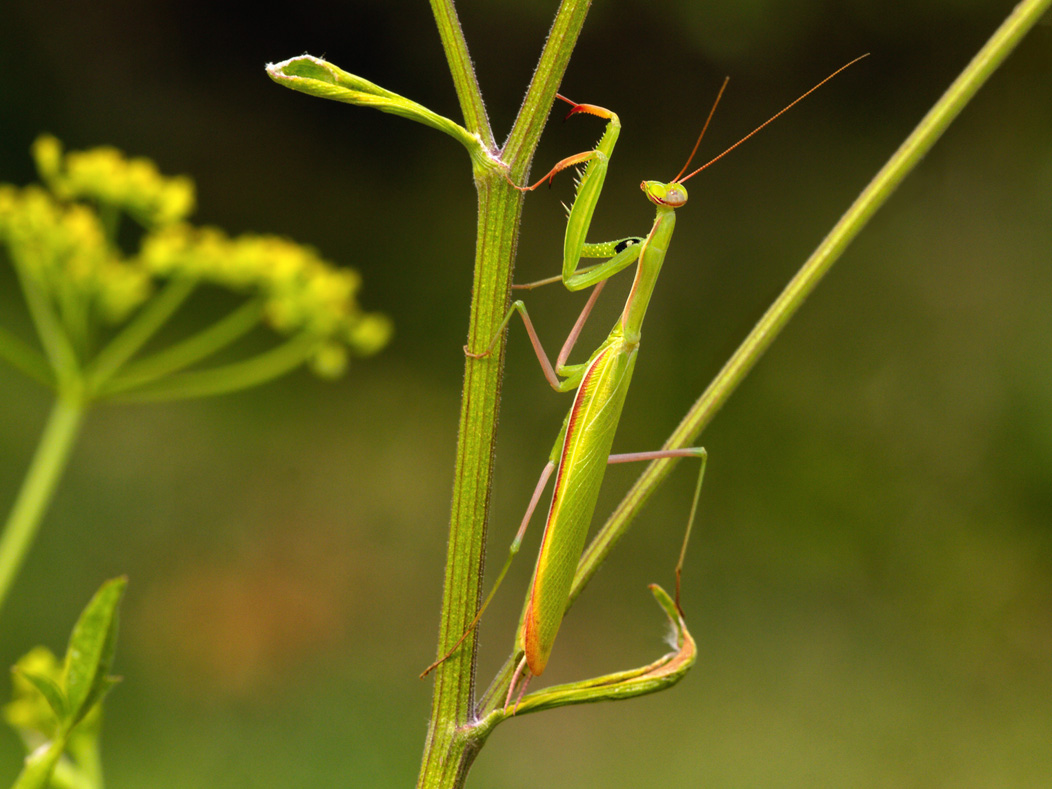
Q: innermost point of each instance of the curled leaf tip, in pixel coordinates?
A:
(317, 77)
(663, 673)
(300, 67)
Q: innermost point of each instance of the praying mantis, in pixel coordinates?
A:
(582, 448)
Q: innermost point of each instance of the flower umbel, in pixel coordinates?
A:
(106, 177)
(96, 307)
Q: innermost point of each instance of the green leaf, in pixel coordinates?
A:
(91, 648)
(29, 712)
(49, 689)
(317, 77)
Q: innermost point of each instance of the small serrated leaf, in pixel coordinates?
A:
(91, 648)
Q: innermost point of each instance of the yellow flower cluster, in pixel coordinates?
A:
(105, 176)
(63, 248)
(62, 239)
(303, 292)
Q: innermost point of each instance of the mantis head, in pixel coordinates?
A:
(670, 195)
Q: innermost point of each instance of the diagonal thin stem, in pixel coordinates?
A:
(138, 332)
(189, 351)
(562, 38)
(919, 142)
(59, 350)
(24, 357)
(464, 79)
(230, 377)
(908, 155)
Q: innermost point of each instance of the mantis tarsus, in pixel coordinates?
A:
(582, 448)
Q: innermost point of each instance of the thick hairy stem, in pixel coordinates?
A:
(449, 749)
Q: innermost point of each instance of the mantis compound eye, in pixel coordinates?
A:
(676, 195)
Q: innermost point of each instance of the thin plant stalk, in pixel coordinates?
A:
(189, 351)
(49, 461)
(232, 377)
(876, 193)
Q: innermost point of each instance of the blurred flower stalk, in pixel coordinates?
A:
(98, 311)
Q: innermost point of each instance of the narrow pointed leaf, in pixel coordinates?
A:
(50, 690)
(91, 649)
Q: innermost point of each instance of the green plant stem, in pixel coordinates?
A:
(919, 142)
(451, 747)
(46, 468)
(448, 753)
(189, 351)
(464, 81)
(562, 38)
(24, 357)
(40, 765)
(138, 332)
(230, 377)
(73, 310)
(60, 353)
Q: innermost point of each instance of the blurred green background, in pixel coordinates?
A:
(870, 583)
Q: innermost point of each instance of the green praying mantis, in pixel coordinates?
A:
(582, 448)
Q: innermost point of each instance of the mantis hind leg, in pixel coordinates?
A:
(512, 551)
(523, 672)
(661, 454)
(538, 490)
